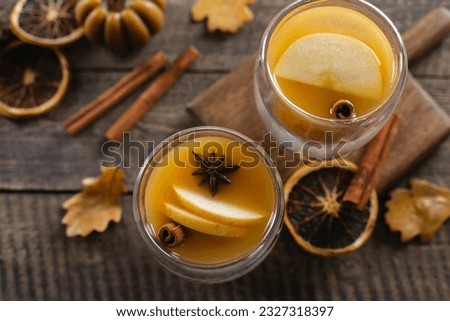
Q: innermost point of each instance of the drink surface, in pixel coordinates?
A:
(241, 209)
(342, 54)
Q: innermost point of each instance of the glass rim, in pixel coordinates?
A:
(400, 75)
(216, 272)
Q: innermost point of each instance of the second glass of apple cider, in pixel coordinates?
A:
(209, 203)
(329, 71)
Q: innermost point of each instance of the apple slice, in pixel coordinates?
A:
(214, 209)
(335, 62)
(200, 224)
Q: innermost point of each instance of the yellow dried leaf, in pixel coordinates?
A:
(402, 215)
(98, 204)
(419, 211)
(224, 15)
(433, 203)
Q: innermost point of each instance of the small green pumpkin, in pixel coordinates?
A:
(120, 24)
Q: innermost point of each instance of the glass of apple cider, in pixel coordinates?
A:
(209, 204)
(329, 72)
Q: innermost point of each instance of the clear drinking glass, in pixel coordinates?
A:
(290, 122)
(202, 257)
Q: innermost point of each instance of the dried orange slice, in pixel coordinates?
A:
(47, 23)
(33, 80)
(316, 216)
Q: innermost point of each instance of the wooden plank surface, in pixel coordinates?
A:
(38, 262)
(39, 154)
(41, 166)
(224, 52)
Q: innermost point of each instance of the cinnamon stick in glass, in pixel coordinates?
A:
(152, 94)
(112, 96)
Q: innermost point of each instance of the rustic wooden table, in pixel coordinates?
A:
(41, 166)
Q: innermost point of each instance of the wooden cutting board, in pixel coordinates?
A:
(230, 103)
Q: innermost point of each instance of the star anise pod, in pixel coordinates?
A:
(214, 170)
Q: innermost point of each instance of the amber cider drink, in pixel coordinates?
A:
(316, 94)
(329, 66)
(222, 191)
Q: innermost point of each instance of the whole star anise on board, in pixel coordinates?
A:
(214, 170)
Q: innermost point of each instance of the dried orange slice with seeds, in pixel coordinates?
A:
(46, 23)
(33, 80)
(318, 219)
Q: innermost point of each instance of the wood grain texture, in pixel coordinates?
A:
(40, 163)
(424, 125)
(427, 32)
(37, 262)
(225, 52)
(229, 103)
(41, 155)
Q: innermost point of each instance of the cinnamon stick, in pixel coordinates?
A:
(152, 94)
(371, 185)
(372, 163)
(112, 96)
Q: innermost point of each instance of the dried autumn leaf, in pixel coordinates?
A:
(402, 215)
(433, 202)
(224, 15)
(419, 211)
(99, 203)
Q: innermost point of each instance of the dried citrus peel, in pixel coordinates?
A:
(45, 23)
(223, 15)
(33, 80)
(422, 210)
(317, 218)
(99, 203)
